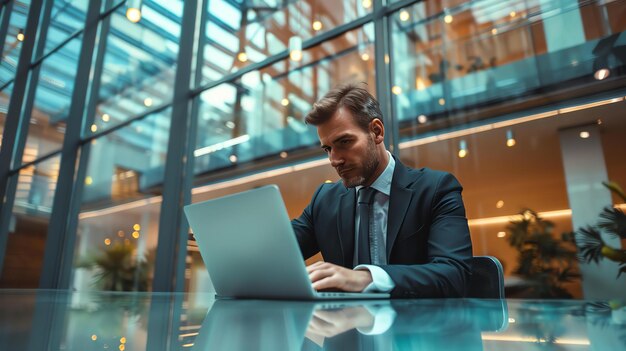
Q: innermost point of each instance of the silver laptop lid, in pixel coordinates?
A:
(249, 247)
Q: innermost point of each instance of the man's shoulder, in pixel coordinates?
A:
(425, 174)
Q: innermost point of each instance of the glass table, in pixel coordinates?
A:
(61, 320)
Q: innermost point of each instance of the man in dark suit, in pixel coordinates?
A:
(385, 227)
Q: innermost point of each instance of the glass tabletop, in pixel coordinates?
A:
(61, 320)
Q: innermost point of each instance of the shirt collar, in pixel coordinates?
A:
(383, 182)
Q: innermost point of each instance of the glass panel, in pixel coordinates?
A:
(13, 40)
(490, 53)
(67, 17)
(241, 33)
(262, 113)
(28, 228)
(139, 64)
(5, 97)
(119, 215)
(48, 118)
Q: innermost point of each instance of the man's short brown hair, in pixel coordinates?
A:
(352, 97)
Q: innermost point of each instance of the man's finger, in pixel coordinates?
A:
(326, 283)
(314, 266)
(320, 274)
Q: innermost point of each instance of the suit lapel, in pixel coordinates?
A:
(345, 226)
(399, 201)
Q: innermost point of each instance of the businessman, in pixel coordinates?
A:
(385, 227)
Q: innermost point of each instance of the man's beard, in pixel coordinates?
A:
(369, 167)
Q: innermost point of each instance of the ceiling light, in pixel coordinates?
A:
(463, 149)
(233, 158)
(284, 154)
(510, 139)
(501, 234)
(448, 19)
(242, 57)
(494, 31)
(133, 10)
(106, 117)
(94, 128)
(584, 134)
(512, 14)
(442, 101)
(500, 204)
(419, 83)
(365, 56)
(147, 102)
(366, 3)
(317, 25)
(20, 35)
(396, 90)
(295, 48)
(404, 15)
(284, 102)
(422, 119)
(602, 74)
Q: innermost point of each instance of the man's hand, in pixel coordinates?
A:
(326, 275)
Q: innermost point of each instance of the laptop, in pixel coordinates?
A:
(250, 250)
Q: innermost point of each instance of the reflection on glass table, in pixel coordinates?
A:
(62, 320)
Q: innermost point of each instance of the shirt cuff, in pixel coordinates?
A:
(381, 281)
(384, 316)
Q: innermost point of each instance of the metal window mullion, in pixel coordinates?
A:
(59, 243)
(176, 161)
(383, 76)
(4, 24)
(85, 148)
(13, 124)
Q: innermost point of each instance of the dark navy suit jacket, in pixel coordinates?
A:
(428, 240)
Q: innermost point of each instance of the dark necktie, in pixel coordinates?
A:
(364, 209)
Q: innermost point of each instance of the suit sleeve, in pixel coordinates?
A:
(447, 270)
(304, 228)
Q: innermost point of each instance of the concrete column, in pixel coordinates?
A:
(585, 170)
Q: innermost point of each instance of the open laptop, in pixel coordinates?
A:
(250, 250)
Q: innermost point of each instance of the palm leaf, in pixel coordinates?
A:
(590, 244)
(613, 221)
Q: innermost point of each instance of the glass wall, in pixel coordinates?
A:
(490, 91)
(28, 227)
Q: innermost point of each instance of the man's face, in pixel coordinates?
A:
(351, 150)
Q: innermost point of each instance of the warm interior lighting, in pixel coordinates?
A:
(602, 74)
(448, 19)
(442, 101)
(135, 234)
(20, 35)
(133, 14)
(107, 241)
(94, 128)
(494, 31)
(396, 90)
(219, 146)
(422, 119)
(404, 15)
(284, 102)
(242, 57)
(510, 138)
(501, 234)
(584, 134)
(122, 340)
(366, 3)
(147, 102)
(419, 83)
(500, 204)
(106, 117)
(133, 10)
(284, 154)
(512, 14)
(136, 226)
(328, 181)
(462, 148)
(365, 56)
(88, 180)
(120, 233)
(317, 25)
(94, 337)
(295, 48)
(233, 158)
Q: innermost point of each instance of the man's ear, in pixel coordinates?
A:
(377, 127)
